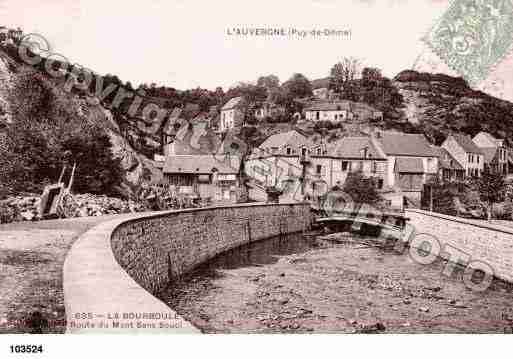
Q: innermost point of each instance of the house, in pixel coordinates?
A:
(204, 176)
(232, 114)
(466, 152)
(411, 162)
(341, 111)
(348, 155)
(338, 111)
(449, 169)
(279, 157)
(193, 137)
(496, 157)
(286, 157)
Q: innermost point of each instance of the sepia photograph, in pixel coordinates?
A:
(264, 167)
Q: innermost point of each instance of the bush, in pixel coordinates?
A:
(47, 132)
(7, 213)
(362, 189)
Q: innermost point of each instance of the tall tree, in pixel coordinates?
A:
(298, 86)
(344, 72)
(270, 82)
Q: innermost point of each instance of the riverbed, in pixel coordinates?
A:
(334, 284)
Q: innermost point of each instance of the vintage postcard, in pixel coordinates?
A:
(269, 167)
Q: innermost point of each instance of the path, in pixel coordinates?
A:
(31, 259)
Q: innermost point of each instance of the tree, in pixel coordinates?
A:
(362, 189)
(97, 172)
(298, 86)
(343, 72)
(269, 82)
(47, 132)
(492, 189)
(371, 75)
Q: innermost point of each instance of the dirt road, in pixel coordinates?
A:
(31, 259)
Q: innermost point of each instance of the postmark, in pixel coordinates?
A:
(473, 36)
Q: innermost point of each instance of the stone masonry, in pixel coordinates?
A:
(155, 250)
(484, 242)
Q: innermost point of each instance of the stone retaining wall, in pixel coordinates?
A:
(155, 250)
(114, 271)
(492, 244)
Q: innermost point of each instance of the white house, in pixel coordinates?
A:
(328, 111)
(232, 114)
(411, 162)
(341, 111)
(496, 156)
(466, 152)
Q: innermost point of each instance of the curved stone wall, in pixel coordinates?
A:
(114, 273)
(481, 241)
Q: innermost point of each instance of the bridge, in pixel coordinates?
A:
(386, 224)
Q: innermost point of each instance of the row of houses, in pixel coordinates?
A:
(473, 156)
(401, 163)
(336, 111)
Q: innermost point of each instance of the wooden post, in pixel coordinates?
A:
(431, 198)
(72, 176)
(62, 174)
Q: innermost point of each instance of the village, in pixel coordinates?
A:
(345, 195)
(402, 165)
(293, 141)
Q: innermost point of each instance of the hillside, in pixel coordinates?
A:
(31, 96)
(437, 104)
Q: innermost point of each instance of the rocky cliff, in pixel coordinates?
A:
(437, 105)
(136, 166)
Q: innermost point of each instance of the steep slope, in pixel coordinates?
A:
(136, 167)
(437, 105)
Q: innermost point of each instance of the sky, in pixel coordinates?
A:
(184, 44)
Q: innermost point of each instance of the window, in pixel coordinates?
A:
(470, 157)
(319, 151)
(380, 183)
(289, 151)
(303, 151)
(477, 158)
(374, 167)
(345, 165)
(319, 169)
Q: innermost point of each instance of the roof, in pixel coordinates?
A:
(490, 137)
(201, 164)
(466, 143)
(489, 153)
(446, 160)
(406, 144)
(329, 106)
(351, 147)
(290, 138)
(340, 105)
(232, 103)
(409, 165)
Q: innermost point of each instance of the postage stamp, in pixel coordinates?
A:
(473, 36)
